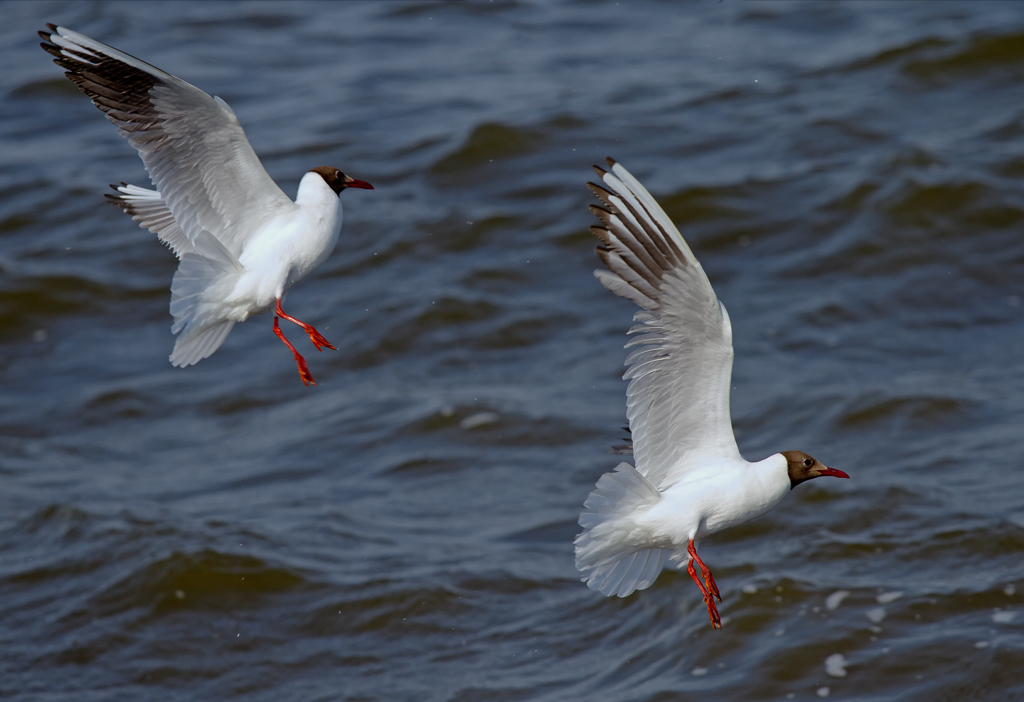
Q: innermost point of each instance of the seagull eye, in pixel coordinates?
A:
(808, 462)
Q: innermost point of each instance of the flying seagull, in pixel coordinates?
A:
(241, 241)
(689, 480)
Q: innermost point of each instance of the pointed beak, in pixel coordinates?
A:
(834, 472)
(353, 183)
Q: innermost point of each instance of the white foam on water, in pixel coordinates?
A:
(835, 665)
(836, 598)
(876, 615)
(1004, 617)
(479, 419)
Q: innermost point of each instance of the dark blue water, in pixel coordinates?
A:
(849, 174)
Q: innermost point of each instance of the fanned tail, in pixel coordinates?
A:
(191, 349)
(201, 326)
(609, 562)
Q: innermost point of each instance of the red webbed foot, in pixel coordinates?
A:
(314, 336)
(712, 585)
(709, 579)
(307, 377)
(318, 340)
(716, 621)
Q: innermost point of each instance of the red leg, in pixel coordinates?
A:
(314, 336)
(307, 379)
(716, 621)
(709, 579)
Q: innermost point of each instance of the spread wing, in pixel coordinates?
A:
(192, 144)
(680, 369)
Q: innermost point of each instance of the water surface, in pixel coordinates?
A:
(849, 174)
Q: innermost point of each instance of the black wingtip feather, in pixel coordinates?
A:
(53, 50)
(601, 193)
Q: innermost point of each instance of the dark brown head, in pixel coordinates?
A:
(338, 181)
(803, 468)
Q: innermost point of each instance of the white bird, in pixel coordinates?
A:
(241, 241)
(690, 480)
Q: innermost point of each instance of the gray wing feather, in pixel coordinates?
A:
(147, 207)
(191, 143)
(680, 368)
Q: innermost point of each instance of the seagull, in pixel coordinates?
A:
(240, 240)
(689, 480)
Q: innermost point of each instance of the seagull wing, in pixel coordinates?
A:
(191, 143)
(680, 369)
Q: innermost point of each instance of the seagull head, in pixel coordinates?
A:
(338, 181)
(803, 467)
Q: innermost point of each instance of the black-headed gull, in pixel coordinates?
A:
(242, 242)
(690, 480)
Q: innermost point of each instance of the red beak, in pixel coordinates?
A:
(358, 184)
(834, 472)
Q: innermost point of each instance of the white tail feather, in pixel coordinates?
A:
(202, 330)
(609, 561)
(193, 348)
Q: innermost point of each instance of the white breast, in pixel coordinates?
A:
(717, 496)
(289, 246)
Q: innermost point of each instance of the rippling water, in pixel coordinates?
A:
(851, 177)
